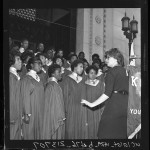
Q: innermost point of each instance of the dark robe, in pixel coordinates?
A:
(53, 124)
(64, 75)
(23, 71)
(44, 76)
(92, 115)
(15, 117)
(32, 98)
(73, 108)
(65, 64)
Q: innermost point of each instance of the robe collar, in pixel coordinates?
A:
(75, 77)
(99, 72)
(33, 74)
(43, 70)
(13, 70)
(85, 73)
(53, 79)
(49, 62)
(92, 82)
(62, 70)
(69, 68)
(68, 62)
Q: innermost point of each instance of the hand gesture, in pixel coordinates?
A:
(83, 101)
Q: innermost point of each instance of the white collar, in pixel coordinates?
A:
(68, 62)
(62, 70)
(49, 62)
(53, 79)
(43, 70)
(92, 82)
(13, 70)
(99, 72)
(75, 77)
(33, 74)
(21, 50)
(85, 73)
(69, 68)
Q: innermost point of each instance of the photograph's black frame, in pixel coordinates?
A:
(142, 143)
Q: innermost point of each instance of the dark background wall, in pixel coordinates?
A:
(53, 27)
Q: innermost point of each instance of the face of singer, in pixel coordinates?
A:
(57, 74)
(43, 60)
(59, 62)
(92, 74)
(18, 63)
(79, 69)
(60, 53)
(73, 58)
(37, 66)
(85, 65)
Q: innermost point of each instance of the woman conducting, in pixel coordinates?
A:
(113, 124)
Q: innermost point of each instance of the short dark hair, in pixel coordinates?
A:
(25, 55)
(95, 55)
(72, 56)
(41, 54)
(81, 53)
(32, 60)
(90, 68)
(56, 57)
(52, 69)
(98, 61)
(12, 56)
(115, 53)
(75, 64)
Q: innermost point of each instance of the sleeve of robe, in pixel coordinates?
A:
(26, 90)
(66, 91)
(13, 97)
(54, 112)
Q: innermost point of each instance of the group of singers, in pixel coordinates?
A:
(52, 98)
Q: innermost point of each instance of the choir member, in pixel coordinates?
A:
(24, 45)
(85, 66)
(113, 124)
(60, 53)
(43, 74)
(32, 101)
(72, 58)
(40, 48)
(93, 89)
(25, 58)
(14, 85)
(54, 113)
(81, 56)
(97, 63)
(50, 56)
(72, 89)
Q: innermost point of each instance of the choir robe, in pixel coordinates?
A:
(15, 117)
(23, 71)
(73, 108)
(64, 74)
(32, 99)
(85, 76)
(53, 124)
(65, 64)
(92, 115)
(44, 75)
